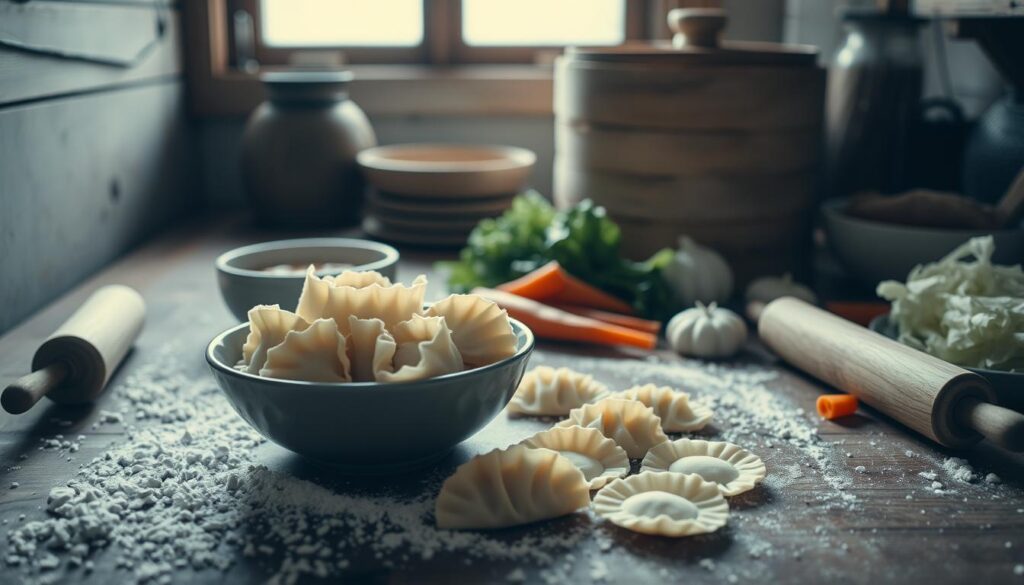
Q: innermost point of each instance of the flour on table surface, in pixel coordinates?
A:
(182, 489)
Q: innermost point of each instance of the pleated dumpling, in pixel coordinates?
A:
(425, 350)
(480, 328)
(510, 487)
(597, 456)
(315, 354)
(732, 468)
(359, 279)
(673, 407)
(546, 391)
(392, 304)
(371, 349)
(663, 503)
(268, 325)
(632, 426)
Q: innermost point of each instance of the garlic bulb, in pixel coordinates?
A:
(697, 273)
(706, 331)
(769, 288)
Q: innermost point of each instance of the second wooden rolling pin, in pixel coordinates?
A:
(74, 364)
(946, 403)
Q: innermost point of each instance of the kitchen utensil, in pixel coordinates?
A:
(715, 140)
(369, 427)
(447, 170)
(1009, 386)
(74, 364)
(299, 150)
(873, 251)
(946, 403)
(244, 282)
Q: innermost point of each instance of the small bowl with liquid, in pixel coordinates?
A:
(272, 273)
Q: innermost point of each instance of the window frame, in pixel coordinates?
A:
(442, 40)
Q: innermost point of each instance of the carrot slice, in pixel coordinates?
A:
(551, 283)
(831, 406)
(613, 318)
(552, 323)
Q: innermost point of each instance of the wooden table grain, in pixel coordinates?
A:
(868, 518)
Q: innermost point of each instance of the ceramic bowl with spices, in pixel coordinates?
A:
(272, 273)
(369, 427)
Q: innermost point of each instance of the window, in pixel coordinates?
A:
(326, 23)
(287, 32)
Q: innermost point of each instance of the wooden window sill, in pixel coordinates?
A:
(404, 90)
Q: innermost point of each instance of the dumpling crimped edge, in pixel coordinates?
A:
(672, 406)
(637, 427)
(585, 441)
(527, 485)
(750, 467)
(712, 509)
(547, 391)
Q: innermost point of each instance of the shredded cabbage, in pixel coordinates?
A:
(966, 311)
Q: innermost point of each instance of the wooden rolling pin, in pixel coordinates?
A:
(75, 363)
(946, 403)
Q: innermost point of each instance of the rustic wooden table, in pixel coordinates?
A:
(842, 502)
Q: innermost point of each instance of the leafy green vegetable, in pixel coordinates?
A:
(584, 240)
(968, 312)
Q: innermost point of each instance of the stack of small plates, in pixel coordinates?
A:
(434, 194)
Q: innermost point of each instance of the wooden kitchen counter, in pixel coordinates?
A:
(855, 502)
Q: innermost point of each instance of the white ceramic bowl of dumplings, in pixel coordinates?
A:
(369, 427)
(245, 283)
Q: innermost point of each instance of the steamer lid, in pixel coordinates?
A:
(697, 43)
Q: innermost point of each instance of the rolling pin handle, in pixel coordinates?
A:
(27, 390)
(1002, 426)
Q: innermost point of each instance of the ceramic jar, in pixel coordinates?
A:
(299, 151)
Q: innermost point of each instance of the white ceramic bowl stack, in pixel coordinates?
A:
(434, 194)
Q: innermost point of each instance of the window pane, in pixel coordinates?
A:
(543, 22)
(346, 23)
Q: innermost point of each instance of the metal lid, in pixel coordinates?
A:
(697, 42)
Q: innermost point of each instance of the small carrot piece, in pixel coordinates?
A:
(552, 284)
(614, 318)
(551, 323)
(832, 406)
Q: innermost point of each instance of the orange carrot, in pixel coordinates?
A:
(613, 318)
(552, 284)
(543, 283)
(832, 406)
(551, 323)
(859, 312)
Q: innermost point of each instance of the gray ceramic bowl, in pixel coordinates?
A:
(369, 427)
(244, 284)
(874, 251)
(1009, 386)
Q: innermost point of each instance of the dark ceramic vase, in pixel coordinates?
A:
(299, 151)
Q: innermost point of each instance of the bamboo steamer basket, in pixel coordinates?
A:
(716, 140)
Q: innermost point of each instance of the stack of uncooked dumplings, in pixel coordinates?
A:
(359, 327)
(681, 487)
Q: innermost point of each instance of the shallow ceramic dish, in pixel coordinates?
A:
(244, 284)
(447, 170)
(369, 427)
(874, 251)
(1009, 386)
(377, 229)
